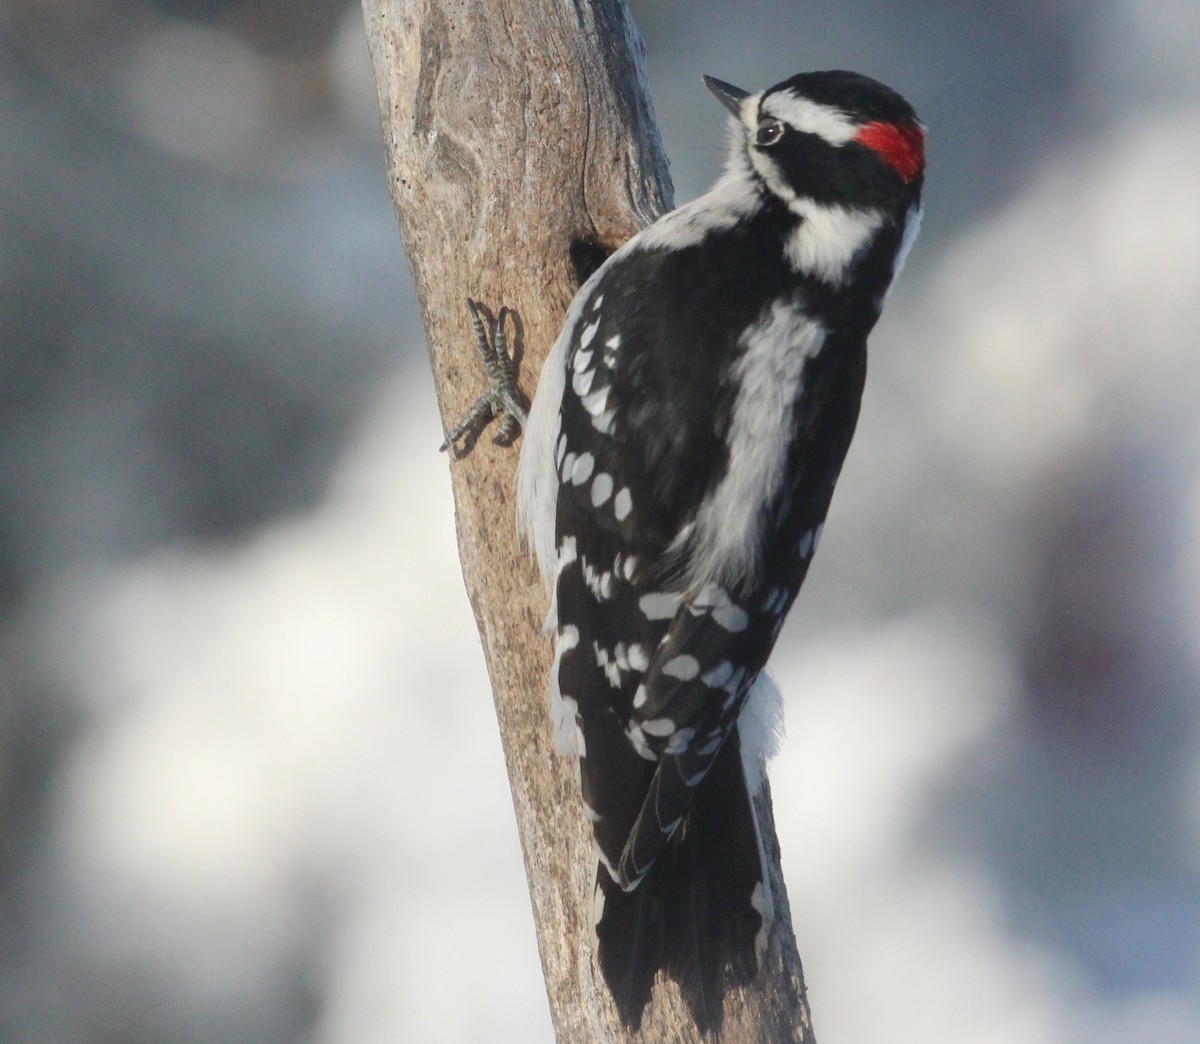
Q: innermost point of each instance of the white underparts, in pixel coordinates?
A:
(725, 543)
(760, 729)
(537, 475)
(564, 718)
(597, 907)
(537, 470)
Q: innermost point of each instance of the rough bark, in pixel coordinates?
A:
(521, 149)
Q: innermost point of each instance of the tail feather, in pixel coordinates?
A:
(698, 913)
(695, 959)
(629, 943)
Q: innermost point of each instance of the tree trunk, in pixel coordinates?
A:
(521, 150)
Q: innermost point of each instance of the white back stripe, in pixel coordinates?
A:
(726, 542)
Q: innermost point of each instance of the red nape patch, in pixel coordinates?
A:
(901, 146)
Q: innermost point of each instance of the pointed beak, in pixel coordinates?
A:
(727, 94)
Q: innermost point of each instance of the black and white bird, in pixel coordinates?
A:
(679, 459)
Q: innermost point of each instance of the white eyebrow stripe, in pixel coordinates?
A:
(811, 117)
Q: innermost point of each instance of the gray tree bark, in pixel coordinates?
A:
(521, 149)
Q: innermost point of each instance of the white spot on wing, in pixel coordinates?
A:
(679, 741)
(585, 338)
(623, 504)
(582, 360)
(661, 605)
(658, 727)
(638, 739)
(537, 478)
(638, 661)
(581, 470)
(727, 615)
(685, 668)
(596, 402)
(718, 675)
(711, 594)
(602, 487)
(581, 383)
(621, 655)
(599, 583)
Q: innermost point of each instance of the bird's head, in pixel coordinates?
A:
(831, 137)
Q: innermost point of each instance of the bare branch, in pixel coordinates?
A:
(521, 150)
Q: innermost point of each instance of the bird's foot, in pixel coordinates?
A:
(503, 398)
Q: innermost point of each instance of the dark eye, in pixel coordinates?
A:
(769, 132)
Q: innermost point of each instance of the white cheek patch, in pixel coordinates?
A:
(830, 238)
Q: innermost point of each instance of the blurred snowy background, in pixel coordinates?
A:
(250, 783)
